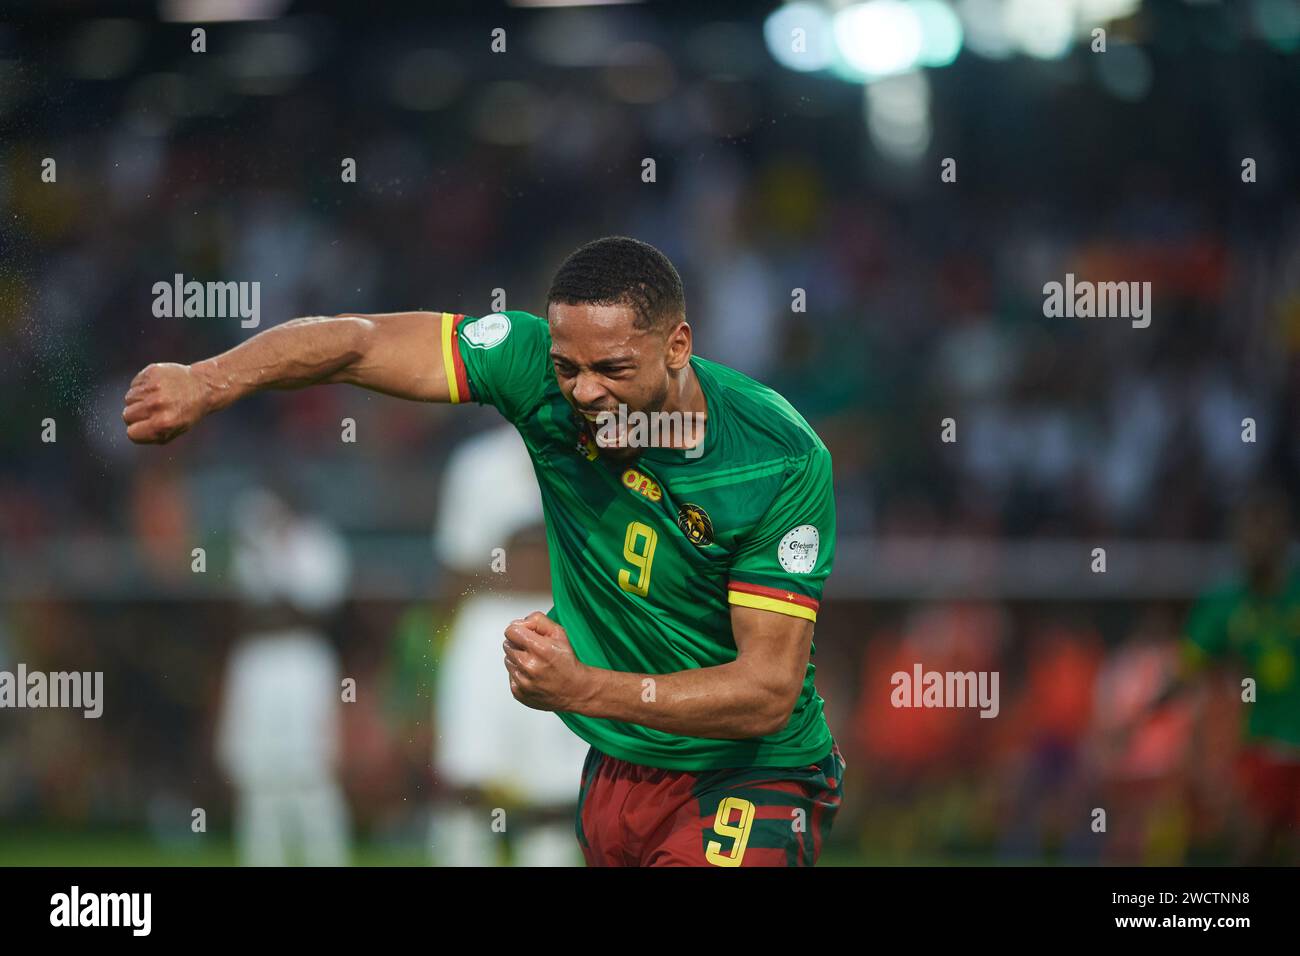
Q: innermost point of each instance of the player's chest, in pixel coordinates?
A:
(690, 509)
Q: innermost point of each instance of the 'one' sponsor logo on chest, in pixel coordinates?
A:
(642, 484)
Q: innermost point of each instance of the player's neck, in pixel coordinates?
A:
(686, 394)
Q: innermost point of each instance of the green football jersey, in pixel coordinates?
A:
(1264, 634)
(648, 555)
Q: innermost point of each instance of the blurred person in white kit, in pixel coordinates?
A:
(278, 733)
(490, 751)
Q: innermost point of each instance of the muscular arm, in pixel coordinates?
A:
(751, 696)
(395, 353)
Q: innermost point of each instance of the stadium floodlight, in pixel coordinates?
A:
(941, 33)
(215, 11)
(1044, 29)
(799, 37)
(878, 38)
(1093, 13)
(985, 28)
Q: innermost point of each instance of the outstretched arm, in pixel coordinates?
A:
(395, 353)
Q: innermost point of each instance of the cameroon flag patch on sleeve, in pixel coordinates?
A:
(453, 364)
(772, 599)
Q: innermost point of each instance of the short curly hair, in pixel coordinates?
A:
(619, 270)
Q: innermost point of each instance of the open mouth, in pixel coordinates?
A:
(605, 429)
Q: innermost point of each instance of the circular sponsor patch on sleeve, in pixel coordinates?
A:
(488, 331)
(797, 551)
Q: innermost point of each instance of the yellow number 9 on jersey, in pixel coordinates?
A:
(738, 831)
(639, 557)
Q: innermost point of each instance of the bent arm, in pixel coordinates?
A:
(752, 696)
(395, 353)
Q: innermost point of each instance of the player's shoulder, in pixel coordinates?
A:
(515, 327)
(758, 418)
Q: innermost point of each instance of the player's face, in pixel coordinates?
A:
(602, 360)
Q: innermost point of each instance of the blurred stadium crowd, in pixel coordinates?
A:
(479, 172)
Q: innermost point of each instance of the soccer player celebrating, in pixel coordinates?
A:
(1248, 626)
(686, 573)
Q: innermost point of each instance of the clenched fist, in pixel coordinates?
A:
(164, 400)
(544, 673)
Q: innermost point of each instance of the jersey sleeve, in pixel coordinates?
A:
(783, 563)
(501, 359)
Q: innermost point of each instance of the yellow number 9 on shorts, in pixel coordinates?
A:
(738, 831)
